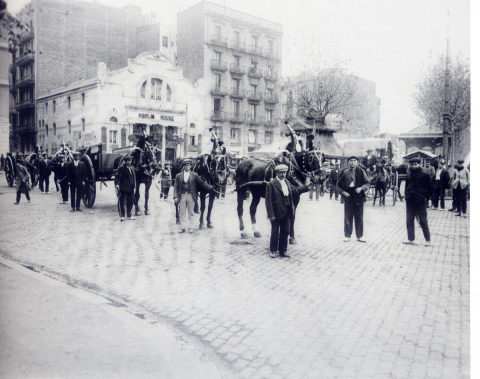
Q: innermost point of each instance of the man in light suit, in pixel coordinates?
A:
(185, 194)
(280, 210)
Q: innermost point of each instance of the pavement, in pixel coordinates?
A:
(379, 309)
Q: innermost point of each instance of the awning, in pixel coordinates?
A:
(420, 154)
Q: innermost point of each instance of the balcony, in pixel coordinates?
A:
(238, 93)
(270, 53)
(237, 69)
(26, 81)
(254, 96)
(24, 104)
(237, 45)
(12, 69)
(218, 116)
(271, 98)
(272, 76)
(237, 118)
(219, 91)
(256, 120)
(27, 37)
(13, 88)
(215, 64)
(272, 121)
(255, 49)
(25, 59)
(218, 40)
(29, 127)
(255, 72)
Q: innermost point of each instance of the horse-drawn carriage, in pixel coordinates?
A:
(31, 164)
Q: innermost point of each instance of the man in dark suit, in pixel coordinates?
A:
(440, 184)
(353, 184)
(125, 186)
(370, 160)
(77, 176)
(280, 210)
(45, 170)
(61, 173)
(334, 174)
(185, 194)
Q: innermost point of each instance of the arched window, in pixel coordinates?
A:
(113, 120)
(169, 93)
(104, 135)
(156, 89)
(143, 89)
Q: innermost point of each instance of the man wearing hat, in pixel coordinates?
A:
(77, 176)
(185, 194)
(334, 174)
(441, 181)
(353, 184)
(280, 210)
(61, 173)
(418, 189)
(45, 170)
(165, 182)
(460, 183)
(430, 170)
(22, 178)
(370, 159)
(125, 187)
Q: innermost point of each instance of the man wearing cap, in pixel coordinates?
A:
(185, 194)
(440, 184)
(45, 170)
(418, 189)
(370, 159)
(125, 187)
(430, 170)
(281, 210)
(77, 176)
(353, 184)
(460, 183)
(334, 174)
(165, 182)
(61, 173)
(22, 177)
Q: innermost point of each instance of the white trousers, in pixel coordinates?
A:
(185, 210)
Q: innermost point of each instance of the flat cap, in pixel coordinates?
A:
(187, 161)
(460, 161)
(75, 153)
(354, 157)
(369, 149)
(281, 167)
(414, 160)
(61, 156)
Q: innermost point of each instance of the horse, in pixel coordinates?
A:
(32, 166)
(213, 169)
(254, 174)
(381, 182)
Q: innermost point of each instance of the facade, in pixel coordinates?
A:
(4, 96)
(65, 41)
(160, 37)
(113, 108)
(425, 138)
(236, 60)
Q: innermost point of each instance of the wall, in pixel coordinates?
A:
(5, 61)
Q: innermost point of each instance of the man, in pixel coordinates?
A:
(316, 184)
(280, 210)
(418, 189)
(221, 150)
(185, 194)
(77, 177)
(125, 187)
(165, 182)
(430, 170)
(22, 177)
(61, 173)
(454, 191)
(333, 181)
(352, 184)
(441, 181)
(2, 162)
(461, 181)
(45, 170)
(370, 159)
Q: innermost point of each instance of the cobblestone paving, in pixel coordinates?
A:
(334, 310)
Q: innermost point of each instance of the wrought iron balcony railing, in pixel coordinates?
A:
(25, 81)
(271, 98)
(218, 40)
(254, 96)
(255, 49)
(218, 65)
(272, 121)
(256, 120)
(270, 53)
(238, 92)
(219, 90)
(255, 72)
(25, 59)
(237, 69)
(218, 116)
(237, 45)
(28, 127)
(237, 117)
(272, 76)
(26, 103)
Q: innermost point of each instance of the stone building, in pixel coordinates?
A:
(114, 107)
(4, 96)
(236, 59)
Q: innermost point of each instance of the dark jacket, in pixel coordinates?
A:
(76, 175)
(418, 187)
(125, 179)
(194, 182)
(444, 181)
(275, 199)
(45, 168)
(370, 162)
(62, 173)
(361, 181)
(334, 174)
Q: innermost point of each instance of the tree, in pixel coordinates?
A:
(429, 98)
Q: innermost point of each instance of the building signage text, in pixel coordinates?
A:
(152, 116)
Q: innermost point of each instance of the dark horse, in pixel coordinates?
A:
(381, 181)
(213, 169)
(254, 174)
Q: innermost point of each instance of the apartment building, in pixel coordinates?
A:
(235, 59)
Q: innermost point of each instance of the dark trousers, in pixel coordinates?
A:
(420, 211)
(76, 192)
(23, 189)
(461, 200)
(279, 235)
(126, 198)
(64, 188)
(164, 192)
(44, 179)
(333, 188)
(353, 212)
(314, 187)
(438, 194)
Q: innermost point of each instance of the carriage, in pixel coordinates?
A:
(30, 164)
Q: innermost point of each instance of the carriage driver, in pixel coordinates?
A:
(185, 194)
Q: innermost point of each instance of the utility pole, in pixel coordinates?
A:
(446, 110)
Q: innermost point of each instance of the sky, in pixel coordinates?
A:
(388, 42)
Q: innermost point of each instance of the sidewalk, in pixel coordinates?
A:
(51, 330)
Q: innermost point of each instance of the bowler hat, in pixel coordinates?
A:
(354, 157)
(187, 161)
(281, 167)
(414, 160)
(460, 161)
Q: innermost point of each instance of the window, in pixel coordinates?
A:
(142, 90)
(46, 108)
(218, 80)
(237, 61)
(255, 41)
(104, 135)
(252, 136)
(270, 70)
(233, 133)
(39, 124)
(54, 129)
(54, 106)
(83, 99)
(270, 46)
(269, 115)
(113, 136)
(165, 41)
(192, 140)
(69, 127)
(218, 56)
(236, 34)
(253, 111)
(218, 31)
(83, 124)
(46, 129)
(254, 89)
(156, 89)
(124, 137)
(236, 108)
(268, 137)
(169, 93)
(69, 102)
(79, 134)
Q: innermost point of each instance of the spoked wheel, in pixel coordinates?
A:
(395, 188)
(322, 190)
(34, 176)
(328, 184)
(90, 190)
(9, 171)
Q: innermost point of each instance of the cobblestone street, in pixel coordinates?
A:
(333, 310)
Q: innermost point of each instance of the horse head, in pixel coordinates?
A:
(219, 168)
(309, 163)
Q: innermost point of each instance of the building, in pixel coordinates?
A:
(64, 43)
(424, 138)
(113, 108)
(5, 60)
(236, 60)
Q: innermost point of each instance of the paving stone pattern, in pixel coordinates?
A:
(379, 309)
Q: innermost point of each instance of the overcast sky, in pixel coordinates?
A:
(388, 42)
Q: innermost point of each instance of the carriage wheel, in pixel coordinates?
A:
(90, 189)
(322, 190)
(9, 171)
(328, 184)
